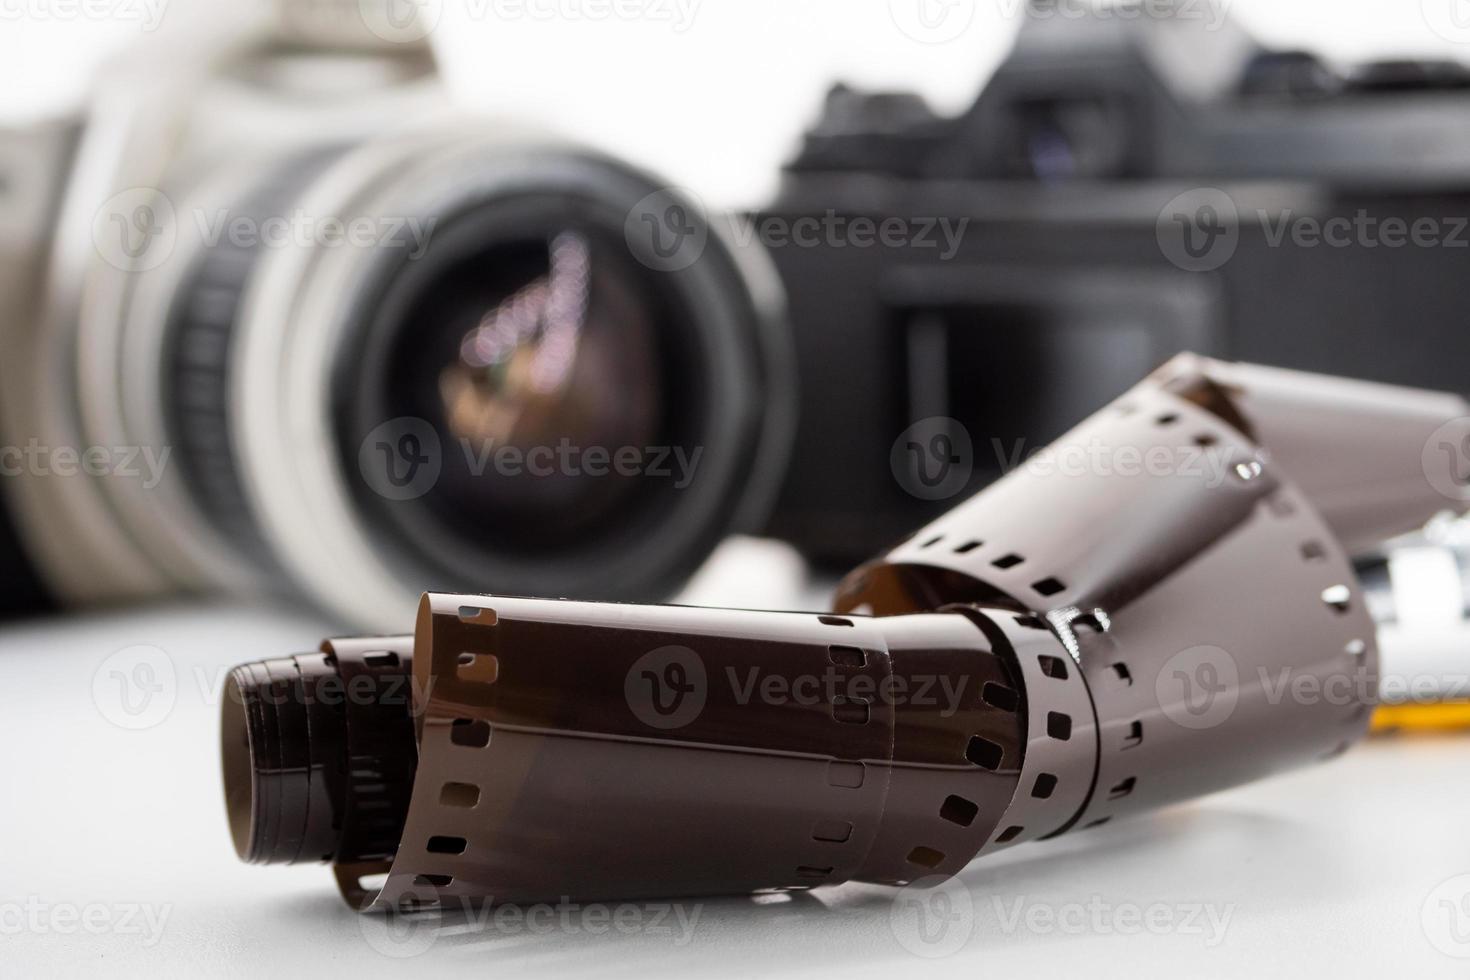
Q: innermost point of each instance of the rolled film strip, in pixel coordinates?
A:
(1186, 595)
(1066, 648)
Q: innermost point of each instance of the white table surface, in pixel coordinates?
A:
(117, 859)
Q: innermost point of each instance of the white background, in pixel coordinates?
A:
(719, 104)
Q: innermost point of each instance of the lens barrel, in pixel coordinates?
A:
(424, 398)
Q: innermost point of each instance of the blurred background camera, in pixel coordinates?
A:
(279, 318)
(1134, 180)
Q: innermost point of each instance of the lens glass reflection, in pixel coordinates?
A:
(537, 361)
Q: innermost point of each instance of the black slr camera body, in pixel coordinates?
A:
(1127, 185)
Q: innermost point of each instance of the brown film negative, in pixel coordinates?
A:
(1185, 597)
(1071, 646)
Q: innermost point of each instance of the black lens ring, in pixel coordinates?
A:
(198, 358)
